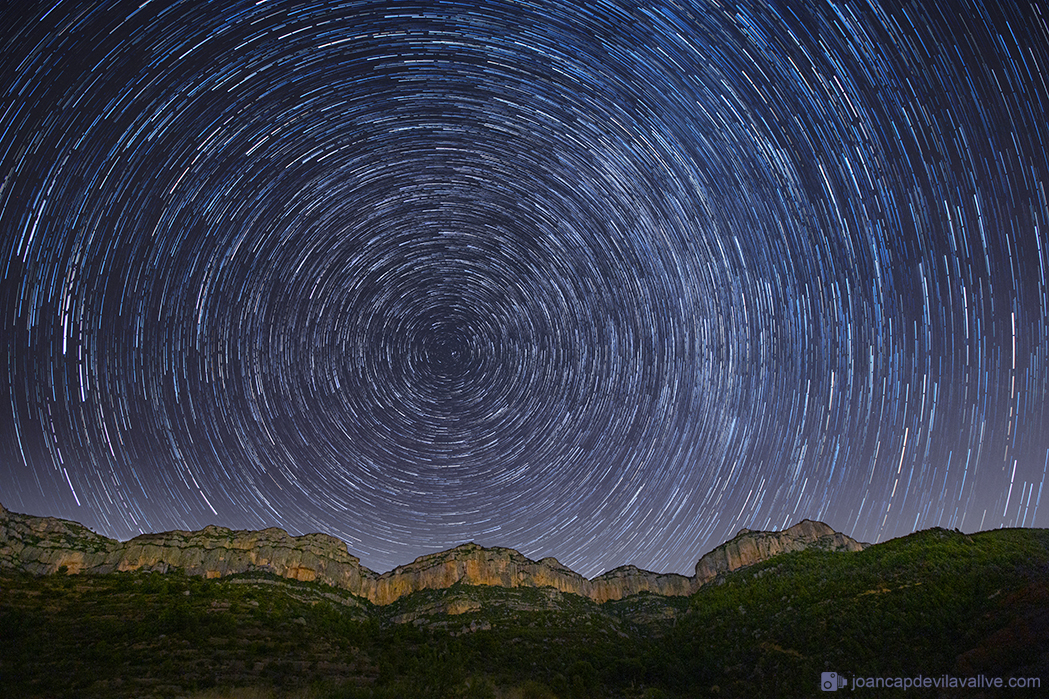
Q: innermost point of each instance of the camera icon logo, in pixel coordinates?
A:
(831, 681)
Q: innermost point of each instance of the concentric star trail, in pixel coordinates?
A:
(604, 282)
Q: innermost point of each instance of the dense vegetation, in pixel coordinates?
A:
(932, 603)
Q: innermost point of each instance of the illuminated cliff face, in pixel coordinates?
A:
(749, 547)
(42, 545)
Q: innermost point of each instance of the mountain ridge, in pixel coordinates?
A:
(935, 602)
(46, 545)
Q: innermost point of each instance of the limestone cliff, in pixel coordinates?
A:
(749, 547)
(43, 545)
(470, 564)
(629, 580)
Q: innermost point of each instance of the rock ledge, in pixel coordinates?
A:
(44, 545)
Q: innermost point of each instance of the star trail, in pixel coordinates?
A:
(603, 282)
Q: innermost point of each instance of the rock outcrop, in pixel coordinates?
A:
(629, 580)
(750, 547)
(44, 545)
(471, 564)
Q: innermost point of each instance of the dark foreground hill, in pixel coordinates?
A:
(937, 606)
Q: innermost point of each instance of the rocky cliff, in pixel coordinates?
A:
(44, 545)
(629, 580)
(470, 564)
(749, 547)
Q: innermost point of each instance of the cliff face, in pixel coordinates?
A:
(629, 580)
(749, 547)
(42, 545)
(470, 564)
(217, 551)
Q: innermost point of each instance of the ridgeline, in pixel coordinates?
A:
(221, 613)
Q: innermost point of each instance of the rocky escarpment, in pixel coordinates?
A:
(750, 547)
(471, 564)
(43, 545)
(629, 580)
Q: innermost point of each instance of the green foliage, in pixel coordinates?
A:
(909, 606)
(934, 602)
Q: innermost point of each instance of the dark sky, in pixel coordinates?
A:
(606, 284)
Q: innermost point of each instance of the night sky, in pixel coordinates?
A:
(606, 284)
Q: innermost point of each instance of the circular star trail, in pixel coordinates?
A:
(606, 282)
